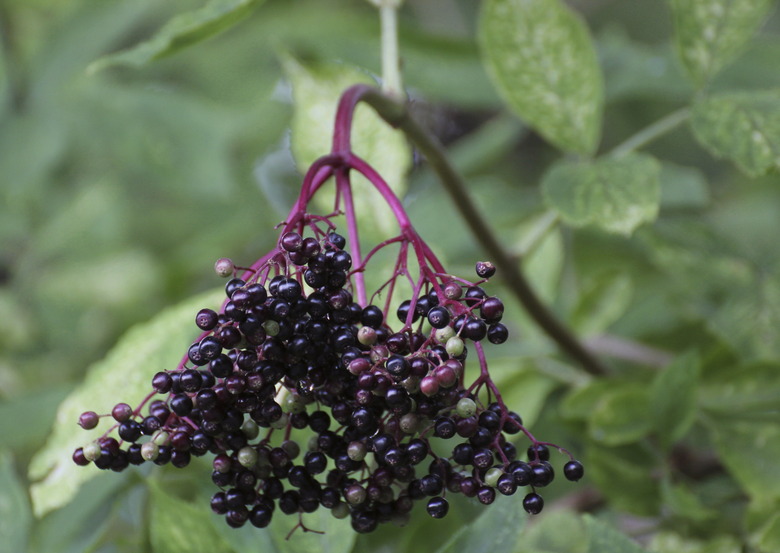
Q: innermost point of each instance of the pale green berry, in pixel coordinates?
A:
(247, 456)
(271, 327)
(250, 429)
(340, 511)
(466, 407)
(92, 451)
(149, 451)
(454, 346)
(444, 334)
(492, 476)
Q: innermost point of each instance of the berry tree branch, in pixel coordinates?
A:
(396, 114)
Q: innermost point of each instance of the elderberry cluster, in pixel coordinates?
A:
(308, 400)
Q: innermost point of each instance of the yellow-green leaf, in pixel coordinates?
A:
(615, 194)
(124, 375)
(711, 33)
(743, 127)
(180, 32)
(542, 60)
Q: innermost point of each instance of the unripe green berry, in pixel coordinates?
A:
(367, 336)
(291, 448)
(149, 451)
(271, 327)
(444, 334)
(281, 423)
(160, 437)
(340, 511)
(247, 456)
(466, 407)
(92, 451)
(492, 476)
(409, 423)
(250, 429)
(356, 451)
(454, 346)
(292, 403)
(355, 494)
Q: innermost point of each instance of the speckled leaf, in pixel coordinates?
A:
(496, 530)
(711, 33)
(750, 451)
(123, 375)
(542, 60)
(743, 127)
(176, 526)
(603, 538)
(15, 514)
(673, 398)
(317, 88)
(615, 194)
(621, 417)
(180, 32)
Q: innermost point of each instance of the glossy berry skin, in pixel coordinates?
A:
(438, 507)
(573, 470)
(533, 503)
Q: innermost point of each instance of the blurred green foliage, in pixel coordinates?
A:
(120, 187)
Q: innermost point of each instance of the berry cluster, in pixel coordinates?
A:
(310, 394)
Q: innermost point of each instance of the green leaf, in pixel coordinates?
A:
(672, 542)
(748, 320)
(683, 187)
(684, 504)
(180, 32)
(546, 535)
(123, 375)
(768, 538)
(495, 531)
(743, 127)
(542, 60)
(750, 451)
(15, 516)
(176, 526)
(747, 389)
(37, 409)
(621, 417)
(711, 33)
(615, 194)
(523, 388)
(606, 539)
(601, 303)
(673, 398)
(317, 88)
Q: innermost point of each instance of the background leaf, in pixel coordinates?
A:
(743, 127)
(616, 195)
(673, 398)
(496, 530)
(176, 526)
(606, 539)
(15, 516)
(543, 62)
(180, 32)
(711, 33)
(124, 375)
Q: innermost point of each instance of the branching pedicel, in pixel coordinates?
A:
(300, 345)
